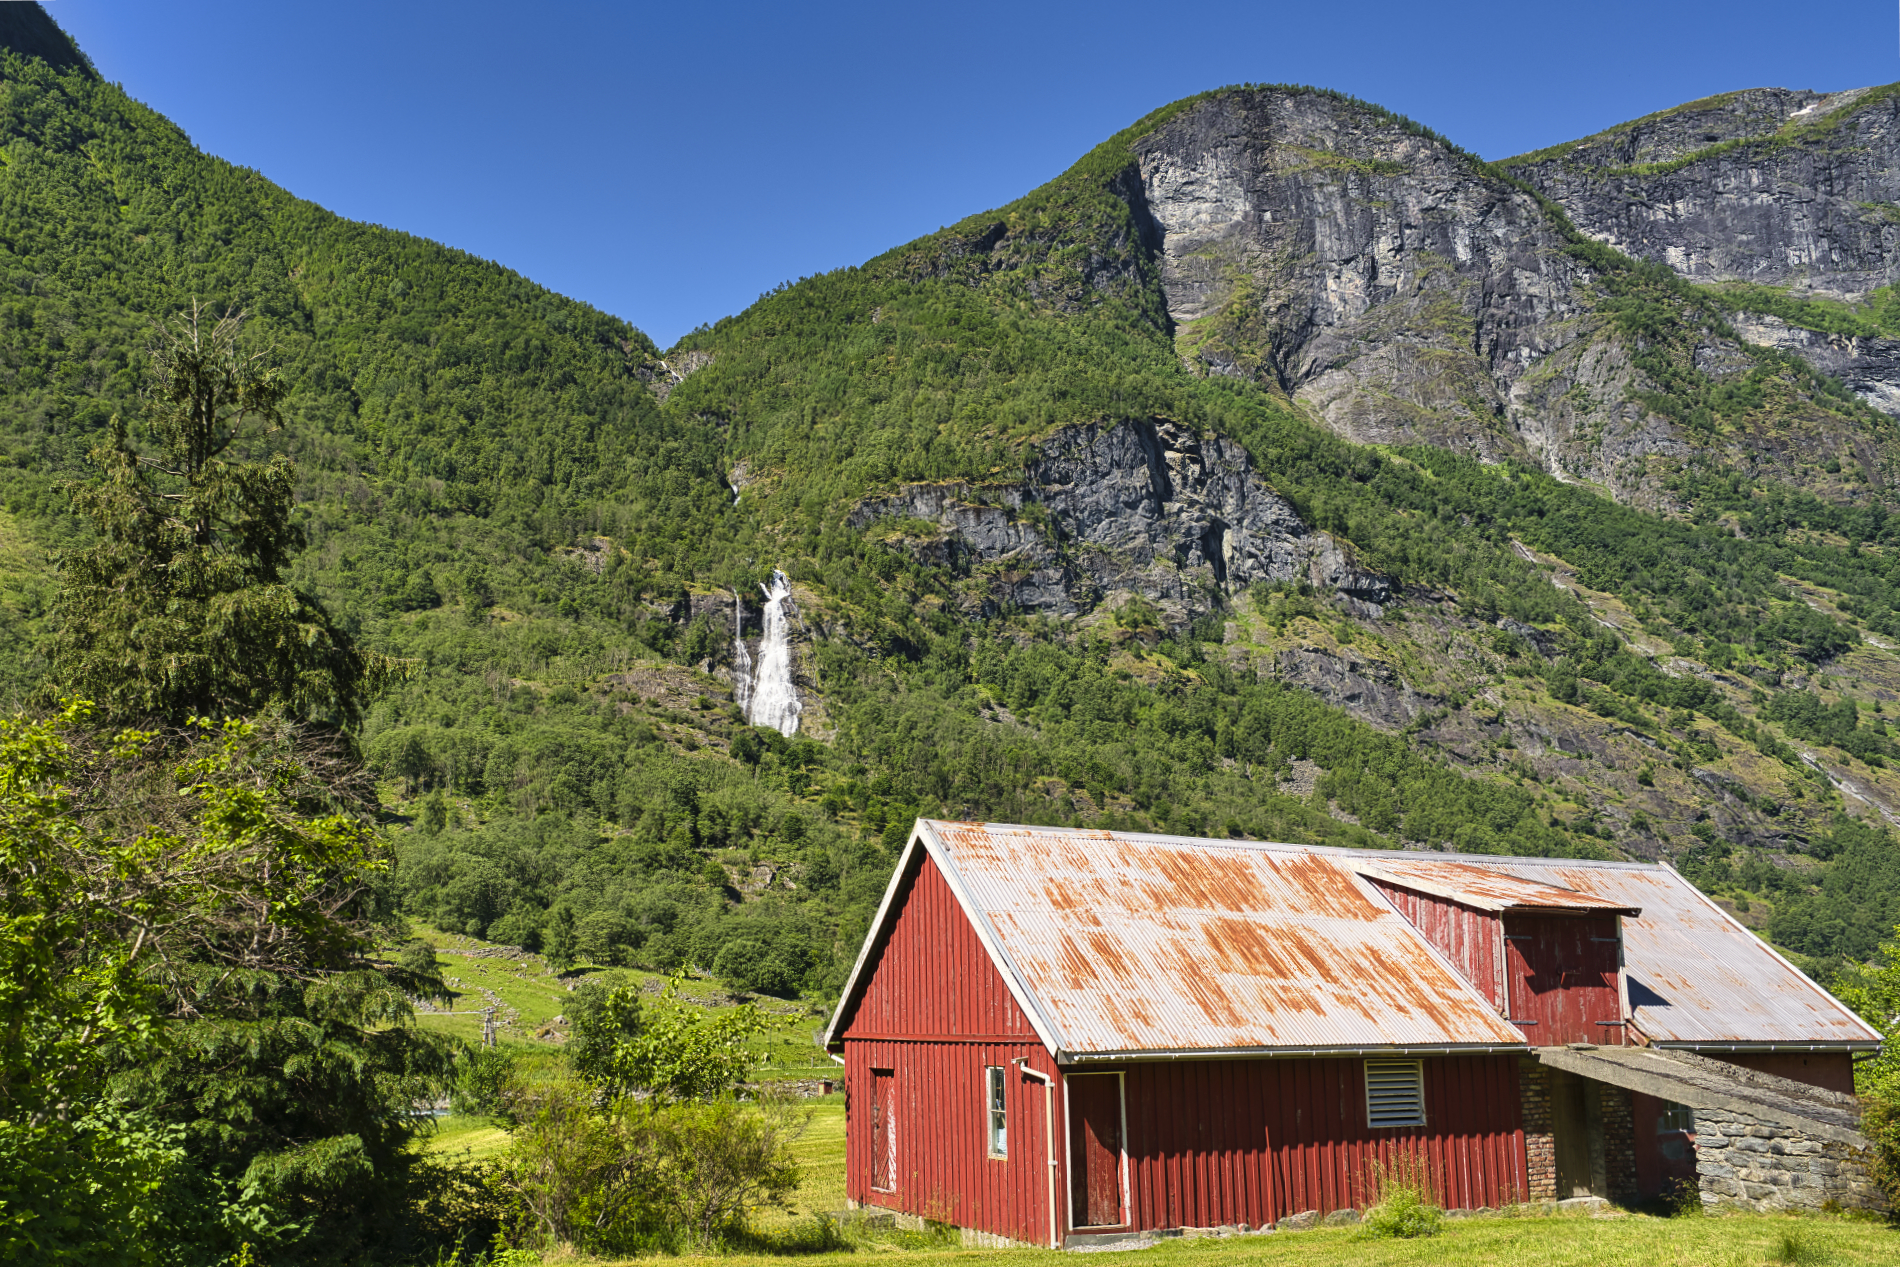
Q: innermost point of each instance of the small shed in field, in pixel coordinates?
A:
(1052, 1033)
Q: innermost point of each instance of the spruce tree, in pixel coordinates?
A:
(181, 608)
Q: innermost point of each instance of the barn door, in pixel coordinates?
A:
(1095, 1150)
(883, 1130)
(1562, 974)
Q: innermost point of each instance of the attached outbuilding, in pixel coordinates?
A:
(1055, 1034)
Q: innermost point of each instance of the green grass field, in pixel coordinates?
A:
(1551, 1241)
(533, 1000)
(1572, 1241)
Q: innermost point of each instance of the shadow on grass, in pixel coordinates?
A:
(829, 1234)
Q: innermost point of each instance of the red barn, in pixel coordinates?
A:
(1053, 1033)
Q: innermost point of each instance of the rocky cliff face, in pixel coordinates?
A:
(1376, 275)
(1870, 368)
(1799, 190)
(1402, 293)
(1769, 186)
(1144, 508)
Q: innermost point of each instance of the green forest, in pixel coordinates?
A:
(490, 493)
(471, 585)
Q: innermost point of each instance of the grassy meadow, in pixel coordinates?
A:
(1631, 1240)
(533, 1002)
(1571, 1241)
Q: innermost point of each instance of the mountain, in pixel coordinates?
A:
(1784, 201)
(1279, 470)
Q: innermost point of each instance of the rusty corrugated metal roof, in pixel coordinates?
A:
(1697, 977)
(1129, 943)
(1120, 942)
(1486, 888)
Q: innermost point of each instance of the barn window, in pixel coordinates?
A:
(994, 1089)
(1675, 1117)
(1395, 1093)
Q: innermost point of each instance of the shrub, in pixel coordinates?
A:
(721, 1161)
(1405, 1208)
(645, 1175)
(600, 1016)
(578, 1175)
(486, 1080)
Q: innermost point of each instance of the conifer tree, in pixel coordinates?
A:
(181, 608)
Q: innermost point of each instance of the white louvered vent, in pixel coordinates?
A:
(1395, 1093)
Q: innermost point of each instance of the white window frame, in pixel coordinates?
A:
(1385, 1111)
(996, 1112)
(1675, 1117)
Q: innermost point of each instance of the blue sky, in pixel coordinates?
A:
(668, 163)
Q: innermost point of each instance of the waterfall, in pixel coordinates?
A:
(774, 698)
(741, 660)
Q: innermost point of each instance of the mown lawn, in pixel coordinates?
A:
(820, 1153)
(1566, 1241)
(1532, 1241)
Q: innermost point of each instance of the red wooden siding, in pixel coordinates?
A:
(933, 978)
(1206, 1142)
(1829, 1070)
(936, 1012)
(1252, 1141)
(1471, 939)
(939, 1121)
(1563, 977)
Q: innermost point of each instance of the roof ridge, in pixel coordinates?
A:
(1339, 851)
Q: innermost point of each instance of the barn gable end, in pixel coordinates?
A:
(927, 1016)
(929, 975)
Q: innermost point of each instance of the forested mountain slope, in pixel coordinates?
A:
(1233, 482)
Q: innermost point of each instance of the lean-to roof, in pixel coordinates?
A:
(1486, 888)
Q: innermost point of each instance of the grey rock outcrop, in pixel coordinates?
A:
(1374, 274)
(1369, 690)
(661, 377)
(1766, 185)
(1769, 186)
(1870, 368)
(1400, 291)
(1145, 507)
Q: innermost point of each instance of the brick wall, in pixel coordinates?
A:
(1540, 1146)
(1746, 1161)
(1619, 1145)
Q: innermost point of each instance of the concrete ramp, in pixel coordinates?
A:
(1760, 1141)
(1701, 1083)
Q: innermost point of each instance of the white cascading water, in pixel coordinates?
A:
(774, 698)
(741, 660)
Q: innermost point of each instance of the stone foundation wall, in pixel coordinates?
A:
(1540, 1144)
(1619, 1145)
(1763, 1165)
